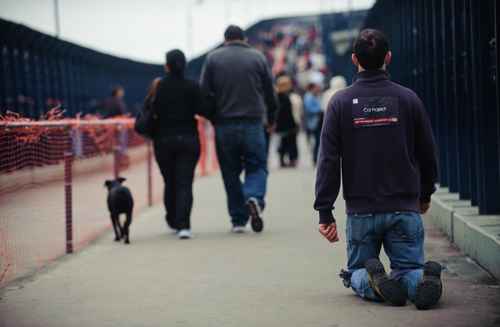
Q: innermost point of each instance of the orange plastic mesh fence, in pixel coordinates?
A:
(34, 215)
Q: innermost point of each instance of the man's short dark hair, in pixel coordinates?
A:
(370, 48)
(234, 33)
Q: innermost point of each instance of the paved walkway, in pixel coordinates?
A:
(285, 276)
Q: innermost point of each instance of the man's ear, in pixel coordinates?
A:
(388, 58)
(167, 69)
(121, 179)
(355, 60)
(107, 183)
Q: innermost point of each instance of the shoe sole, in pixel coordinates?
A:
(389, 289)
(430, 290)
(255, 220)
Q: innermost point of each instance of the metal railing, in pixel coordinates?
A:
(446, 51)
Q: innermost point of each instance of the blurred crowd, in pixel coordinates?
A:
(295, 49)
(295, 53)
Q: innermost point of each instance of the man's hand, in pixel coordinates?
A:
(270, 128)
(424, 207)
(329, 232)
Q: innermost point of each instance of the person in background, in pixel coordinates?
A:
(286, 124)
(337, 83)
(297, 111)
(297, 108)
(240, 79)
(268, 132)
(176, 141)
(114, 105)
(313, 115)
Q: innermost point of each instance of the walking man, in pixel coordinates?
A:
(377, 133)
(240, 80)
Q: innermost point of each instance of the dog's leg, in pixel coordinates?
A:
(115, 220)
(126, 227)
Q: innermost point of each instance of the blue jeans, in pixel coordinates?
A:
(401, 234)
(241, 146)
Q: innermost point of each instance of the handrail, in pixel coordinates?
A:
(67, 122)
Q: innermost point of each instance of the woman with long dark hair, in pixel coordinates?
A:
(176, 140)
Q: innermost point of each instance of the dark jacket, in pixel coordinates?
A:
(240, 80)
(176, 103)
(285, 121)
(379, 133)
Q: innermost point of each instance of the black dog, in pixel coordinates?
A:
(120, 201)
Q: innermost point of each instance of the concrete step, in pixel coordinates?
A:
(478, 236)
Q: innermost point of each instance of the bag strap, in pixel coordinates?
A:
(150, 100)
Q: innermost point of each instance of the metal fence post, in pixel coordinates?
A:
(116, 152)
(68, 179)
(150, 174)
(116, 162)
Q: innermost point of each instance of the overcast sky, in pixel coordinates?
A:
(144, 29)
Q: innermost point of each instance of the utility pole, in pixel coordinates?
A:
(227, 11)
(189, 28)
(57, 18)
(349, 7)
(191, 4)
(349, 10)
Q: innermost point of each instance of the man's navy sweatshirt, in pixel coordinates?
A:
(378, 134)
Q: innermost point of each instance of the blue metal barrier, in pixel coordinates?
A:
(38, 71)
(446, 50)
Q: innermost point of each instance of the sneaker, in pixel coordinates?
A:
(238, 229)
(255, 215)
(184, 234)
(169, 223)
(387, 288)
(430, 288)
(346, 278)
